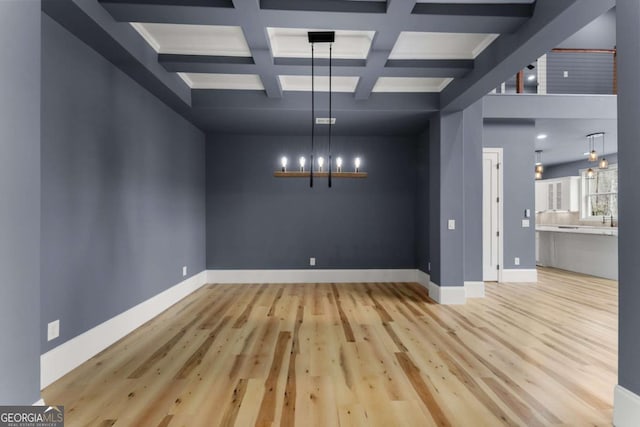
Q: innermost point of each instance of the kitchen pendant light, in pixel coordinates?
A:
(593, 155)
(590, 174)
(323, 168)
(604, 163)
(539, 168)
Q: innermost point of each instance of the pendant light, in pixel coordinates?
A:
(590, 173)
(539, 168)
(604, 163)
(593, 155)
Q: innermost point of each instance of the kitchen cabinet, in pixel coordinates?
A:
(558, 194)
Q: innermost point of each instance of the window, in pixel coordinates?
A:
(600, 194)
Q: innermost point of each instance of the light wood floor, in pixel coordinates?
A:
(360, 354)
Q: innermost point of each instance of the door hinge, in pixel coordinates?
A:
(498, 233)
(497, 165)
(497, 199)
(498, 267)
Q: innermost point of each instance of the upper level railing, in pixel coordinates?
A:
(567, 71)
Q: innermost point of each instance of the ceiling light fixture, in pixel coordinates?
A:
(539, 168)
(542, 136)
(593, 155)
(604, 163)
(532, 77)
(320, 37)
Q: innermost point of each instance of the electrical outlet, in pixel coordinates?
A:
(312, 261)
(53, 330)
(184, 271)
(452, 224)
(525, 223)
(565, 74)
(516, 260)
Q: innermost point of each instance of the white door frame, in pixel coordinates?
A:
(499, 152)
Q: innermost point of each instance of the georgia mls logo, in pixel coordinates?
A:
(31, 416)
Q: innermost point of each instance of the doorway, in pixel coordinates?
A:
(491, 214)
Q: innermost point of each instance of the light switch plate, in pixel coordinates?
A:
(525, 223)
(516, 260)
(527, 213)
(53, 330)
(312, 261)
(184, 271)
(452, 224)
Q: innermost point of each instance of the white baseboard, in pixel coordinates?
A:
(62, 359)
(447, 295)
(423, 278)
(474, 289)
(519, 276)
(311, 276)
(626, 407)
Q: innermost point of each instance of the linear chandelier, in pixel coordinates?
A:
(319, 170)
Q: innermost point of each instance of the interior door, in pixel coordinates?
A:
(491, 213)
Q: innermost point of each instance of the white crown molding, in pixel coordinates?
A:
(67, 356)
(519, 276)
(626, 407)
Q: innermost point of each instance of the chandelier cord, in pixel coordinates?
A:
(330, 116)
(313, 118)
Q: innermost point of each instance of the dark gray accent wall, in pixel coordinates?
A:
(472, 170)
(20, 202)
(257, 221)
(422, 203)
(573, 168)
(122, 189)
(628, 32)
(517, 141)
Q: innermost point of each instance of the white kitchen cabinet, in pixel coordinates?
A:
(558, 194)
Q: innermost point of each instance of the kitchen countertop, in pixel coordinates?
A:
(579, 229)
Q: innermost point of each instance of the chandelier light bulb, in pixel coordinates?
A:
(357, 163)
(590, 173)
(320, 163)
(538, 175)
(339, 164)
(302, 162)
(593, 156)
(283, 162)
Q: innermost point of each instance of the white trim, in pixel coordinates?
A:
(422, 278)
(474, 289)
(626, 407)
(500, 152)
(62, 359)
(447, 295)
(311, 276)
(519, 276)
(39, 403)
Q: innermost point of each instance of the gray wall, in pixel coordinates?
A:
(422, 203)
(20, 202)
(598, 34)
(472, 169)
(629, 191)
(256, 221)
(122, 189)
(573, 168)
(517, 141)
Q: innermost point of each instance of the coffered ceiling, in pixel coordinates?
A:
(213, 60)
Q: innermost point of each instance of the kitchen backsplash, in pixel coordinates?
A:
(568, 218)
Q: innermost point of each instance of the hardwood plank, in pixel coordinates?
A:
(360, 354)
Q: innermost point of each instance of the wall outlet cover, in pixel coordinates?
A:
(184, 271)
(516, 261)
(53, 330)
(312, 261)
(525, 223)
(451, 224)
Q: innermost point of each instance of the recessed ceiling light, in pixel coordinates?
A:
(531, 77)
(542, 136)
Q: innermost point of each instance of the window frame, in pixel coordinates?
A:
(584, 197)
